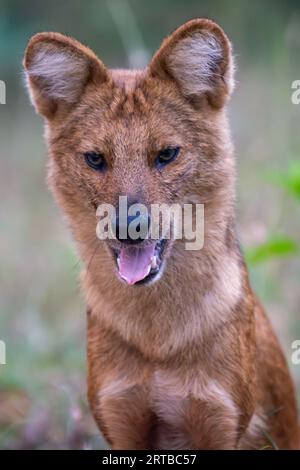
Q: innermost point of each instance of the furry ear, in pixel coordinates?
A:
(198, 57)
(58, 69)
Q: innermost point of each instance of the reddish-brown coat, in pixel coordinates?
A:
(191, 361)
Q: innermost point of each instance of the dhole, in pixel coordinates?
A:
(180, 356)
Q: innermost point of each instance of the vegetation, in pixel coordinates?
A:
(42, 318)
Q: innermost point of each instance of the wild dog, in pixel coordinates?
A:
(182, 356)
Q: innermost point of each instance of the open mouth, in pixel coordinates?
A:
(140, 264)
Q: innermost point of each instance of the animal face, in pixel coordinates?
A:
(156, 136)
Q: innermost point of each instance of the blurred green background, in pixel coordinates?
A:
(42, 316)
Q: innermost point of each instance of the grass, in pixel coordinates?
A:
(42, 317)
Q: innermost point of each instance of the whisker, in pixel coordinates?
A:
(92, 257)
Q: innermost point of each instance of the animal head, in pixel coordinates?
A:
(156, 136)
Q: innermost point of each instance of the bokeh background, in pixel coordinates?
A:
(42, 316)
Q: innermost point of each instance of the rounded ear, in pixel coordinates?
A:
(198, 56)
(58, 69)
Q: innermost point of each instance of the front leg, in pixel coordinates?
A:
(124, 416)
(118, 389)
(211, 425)
(195, 413)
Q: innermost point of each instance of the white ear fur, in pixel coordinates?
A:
(195, 62)
(198, 57)
(60, 73)
(58, 69)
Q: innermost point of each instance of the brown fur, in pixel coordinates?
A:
(190, 361)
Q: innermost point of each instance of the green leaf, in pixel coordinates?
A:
(289, 179)
(273, 248)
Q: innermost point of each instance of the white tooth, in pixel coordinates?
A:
(154, 262)
(118, 262)
(148, 270)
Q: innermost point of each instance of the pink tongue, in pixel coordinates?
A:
(135, 263)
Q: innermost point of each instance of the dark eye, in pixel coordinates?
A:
(95, 160)
(166, 156)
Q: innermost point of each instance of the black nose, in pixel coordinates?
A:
(131, 229)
